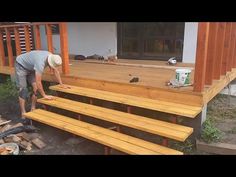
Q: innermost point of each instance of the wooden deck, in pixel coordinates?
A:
(153, 76)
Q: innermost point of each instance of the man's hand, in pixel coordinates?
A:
(64, 86)
(49, 97)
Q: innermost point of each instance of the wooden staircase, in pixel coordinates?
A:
(111, 138)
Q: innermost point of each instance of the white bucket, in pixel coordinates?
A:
(183, 76)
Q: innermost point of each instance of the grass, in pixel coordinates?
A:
(187, 147)
(209, 132)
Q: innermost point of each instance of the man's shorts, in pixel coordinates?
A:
(23, 76)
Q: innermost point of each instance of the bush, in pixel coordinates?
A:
(8, 90)
(210, 133)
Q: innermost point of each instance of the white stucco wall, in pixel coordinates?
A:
(190, 42)
(100, 37)
(87, 38)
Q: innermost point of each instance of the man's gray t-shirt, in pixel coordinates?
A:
(34, 61)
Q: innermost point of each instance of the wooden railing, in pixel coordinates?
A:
(12, 31)
(216, 52)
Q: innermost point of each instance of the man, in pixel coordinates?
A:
(29, 68)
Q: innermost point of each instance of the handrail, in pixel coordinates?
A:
(8, 29)
(31, 24)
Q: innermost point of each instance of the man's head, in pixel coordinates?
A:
(54, 60)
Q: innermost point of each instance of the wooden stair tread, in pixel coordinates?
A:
(165, 129)
(119, 141)
(157, 105)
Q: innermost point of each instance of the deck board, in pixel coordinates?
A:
(107, 137)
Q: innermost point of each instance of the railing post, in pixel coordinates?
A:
(2, 52)
(231, 46)
(64, 47)
(201, 56)
(211, 50)
(49, 38)
(17, 41)
(234, 55)
(27, 39)
(225, 60)
(9, 47)
(37, 37)
(219, 50)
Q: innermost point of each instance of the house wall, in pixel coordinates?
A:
(100, 37)
(190, 42)
(87, 38)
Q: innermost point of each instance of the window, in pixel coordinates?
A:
(55, 29)
(159, 40)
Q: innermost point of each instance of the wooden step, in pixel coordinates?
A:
(165, 129)
(157, 105)
(119, 141)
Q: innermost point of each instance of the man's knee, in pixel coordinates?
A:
(23, 93)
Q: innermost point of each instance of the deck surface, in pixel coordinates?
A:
(153, 76)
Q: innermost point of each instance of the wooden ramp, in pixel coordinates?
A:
(156, 105)
(116, 140)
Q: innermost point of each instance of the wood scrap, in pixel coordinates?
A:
(26, 128)
(17, 125)
(24, 136)
(6, 122)
(5, 128)
(12, 138)
(38, 143)
(2, 141)
(25, 145)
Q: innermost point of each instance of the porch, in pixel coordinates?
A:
(214, 69)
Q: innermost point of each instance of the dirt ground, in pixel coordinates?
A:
(222, 110)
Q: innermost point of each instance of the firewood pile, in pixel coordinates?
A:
(25, 137)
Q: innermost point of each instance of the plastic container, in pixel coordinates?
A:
(183, 76)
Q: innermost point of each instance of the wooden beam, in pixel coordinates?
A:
(211, 53)
(64, 48)
(49, 38)
(2, 52)
(234, 54)
(37, 37)
(201, 56)
(218, 85)
(219, 50)
(9, 47)
(17, 41)
(231, 49)
(27, 39)
(226, 48)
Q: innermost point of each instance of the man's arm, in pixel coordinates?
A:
(38, 78)
(58, 77)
